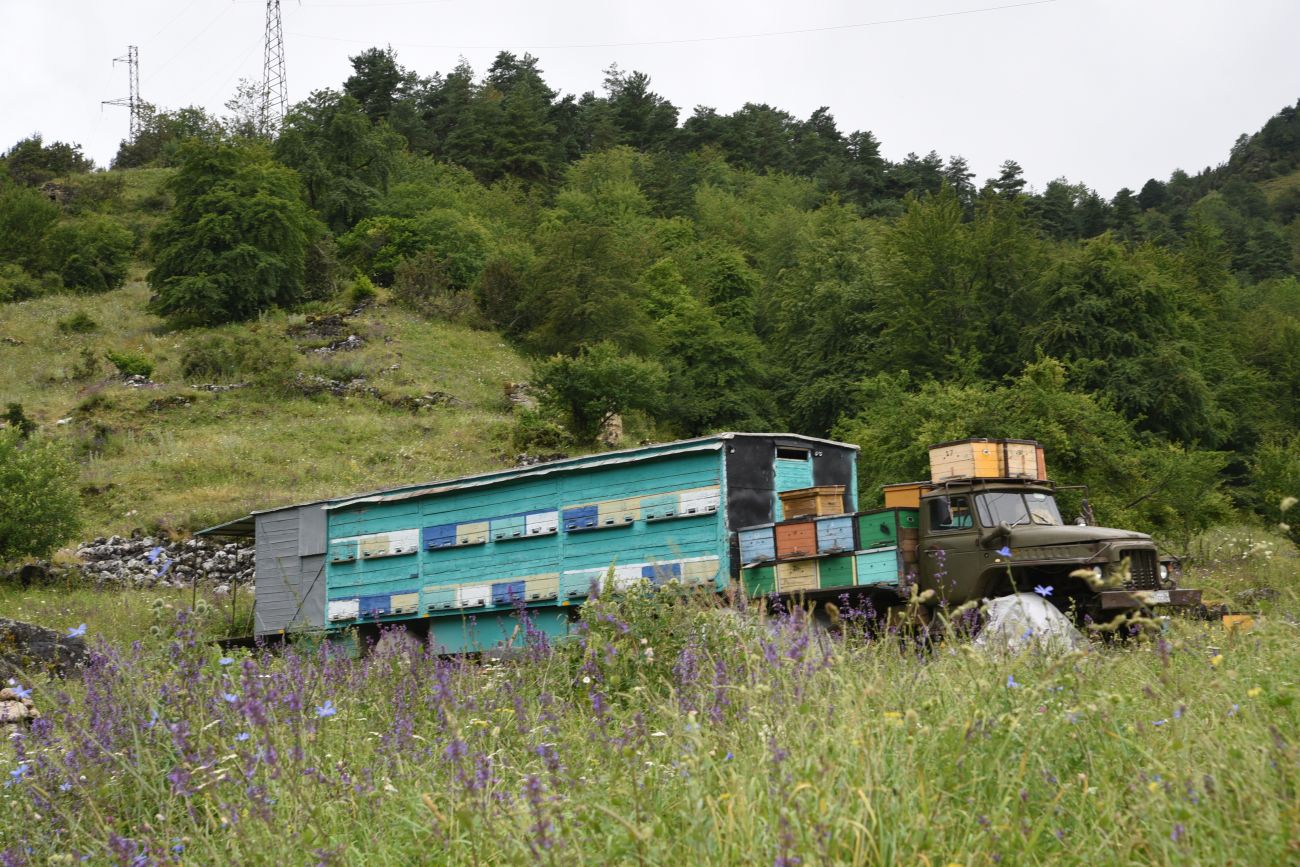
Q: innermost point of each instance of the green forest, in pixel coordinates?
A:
(695, 272)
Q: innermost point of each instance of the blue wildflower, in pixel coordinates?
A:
(1159, 722)
(1005, 551)
(76, 631)
(1011, 681)
(20, 691)
(17, 774)
(326, 709)
(154, 554)
(166, 566)
(1043, 591)
(242, 736)
(230, 697)
(729, 757)
(225, 660)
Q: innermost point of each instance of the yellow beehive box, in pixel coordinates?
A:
(906, 495)
(814, 502)
(966, 459)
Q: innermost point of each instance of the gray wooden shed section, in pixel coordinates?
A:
(290, 564)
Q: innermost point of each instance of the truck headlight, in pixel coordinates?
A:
(1164, 574)
(1099, 573)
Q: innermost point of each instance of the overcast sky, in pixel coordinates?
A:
(1107, 92)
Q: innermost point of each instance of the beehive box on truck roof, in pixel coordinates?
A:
(981, 458)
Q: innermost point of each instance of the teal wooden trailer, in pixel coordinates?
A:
(458, 559)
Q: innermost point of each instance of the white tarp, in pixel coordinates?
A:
(1025, 621)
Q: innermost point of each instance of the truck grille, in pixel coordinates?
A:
(1142, 569)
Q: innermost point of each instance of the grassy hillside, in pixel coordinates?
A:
(185, 457)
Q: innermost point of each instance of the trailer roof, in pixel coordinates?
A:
(243, 527)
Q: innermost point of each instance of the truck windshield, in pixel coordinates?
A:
(1015, 508)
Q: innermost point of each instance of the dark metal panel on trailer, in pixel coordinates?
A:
(752, 482)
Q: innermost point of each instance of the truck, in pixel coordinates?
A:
(768, 515)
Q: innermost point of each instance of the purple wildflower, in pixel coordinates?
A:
(225, 660)
(242, 736)
(230, 697)
(1178, 832)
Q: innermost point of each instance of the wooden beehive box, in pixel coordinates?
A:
(987, 459)
(817, 501)
(796, 539)
(965, 459)
(906, 495)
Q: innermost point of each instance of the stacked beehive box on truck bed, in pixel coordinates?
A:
(829, 550)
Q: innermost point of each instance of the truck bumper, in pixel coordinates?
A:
(1111, 599)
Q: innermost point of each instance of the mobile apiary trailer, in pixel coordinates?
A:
(456, 558)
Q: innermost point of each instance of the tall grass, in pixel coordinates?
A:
(670, 731)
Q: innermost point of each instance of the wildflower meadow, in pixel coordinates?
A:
(672, 729)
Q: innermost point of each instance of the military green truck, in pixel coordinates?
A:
(984, 538)
(987, 524)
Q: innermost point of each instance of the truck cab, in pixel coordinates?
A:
(982, 538)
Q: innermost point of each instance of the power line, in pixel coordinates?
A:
(699, 39)
(192, 40)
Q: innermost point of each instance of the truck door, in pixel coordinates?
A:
(951, 559)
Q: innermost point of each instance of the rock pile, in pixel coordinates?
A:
(144, 561)
(15, 711)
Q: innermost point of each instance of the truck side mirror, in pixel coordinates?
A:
(988, 538)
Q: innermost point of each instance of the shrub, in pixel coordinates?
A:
(423, 283)
(599, 383)
(16, 284)
(86, 367)
(90, 254)
(25, 215)
(38, 489)
(94, 191)
(130, 364)
(379, 244)
(538, 433)
(16, 419)
(237, 354)
(77, 323)
(361, 292)
(321, 274)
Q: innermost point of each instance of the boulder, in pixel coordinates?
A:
(27, 650)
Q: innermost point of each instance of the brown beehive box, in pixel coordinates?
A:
(817, 501)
